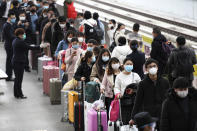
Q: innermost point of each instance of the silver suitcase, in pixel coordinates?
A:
(42, 61)
(64, 103)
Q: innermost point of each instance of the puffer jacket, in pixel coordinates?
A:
(173, 116)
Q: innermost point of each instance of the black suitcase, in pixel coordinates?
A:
(79, 116)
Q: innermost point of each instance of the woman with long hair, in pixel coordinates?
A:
(99, 67)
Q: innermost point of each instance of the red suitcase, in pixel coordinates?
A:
(49, 72)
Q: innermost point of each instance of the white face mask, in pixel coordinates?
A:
(153, 71)
(22, 18)
(182, 94)
(110, 26)
(69, 39)
(115, 66)
(80, 39)
(122, 31)
(62, 25)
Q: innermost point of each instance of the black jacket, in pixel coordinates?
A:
(19, 48)
(138, 59)
(181, 58)
(57, 36)
(3, 6)
(84, 70)
(8, 34)
(150, 96)
(157, 52)
(173, 117)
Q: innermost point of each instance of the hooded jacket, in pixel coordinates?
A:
(173, 117)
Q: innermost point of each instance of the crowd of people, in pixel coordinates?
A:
(161, 82)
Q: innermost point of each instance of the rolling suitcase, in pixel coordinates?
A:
(48, 73)
(72, 98)
(42, 61)
(64, 102)
(97, 120)
(34, 58)
(55, 91)
(79, 116)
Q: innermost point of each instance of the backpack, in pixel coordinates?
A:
(128, 99)
(92, 91)
(167, 48)
(94, 32)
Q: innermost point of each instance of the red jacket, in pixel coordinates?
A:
(72, 14)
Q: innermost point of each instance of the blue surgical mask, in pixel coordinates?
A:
(20, 1)
(24, 36)
(38, 5)
(128, 68)
(90, 49)
(13, 20)
(75, 46)
(45, 7)
(105, 58)
(93, 59)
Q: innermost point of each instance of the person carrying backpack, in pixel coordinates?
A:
(181, 61)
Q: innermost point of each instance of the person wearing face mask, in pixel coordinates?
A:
(72, 57)
(8, 35)
(100, 66)
(111, 30)
(108, 82)
(84, 70)
(145, 122)
(16, 8)
(57, 33)
(33, 17)
(179, 110)
(122, 50)
(81, 39)
(25, 24)
(120, 30)
(52, 6)
(78, 20)
(125, 78)
(65, 43)
(138, 58)
(19, 60)
(151, 92)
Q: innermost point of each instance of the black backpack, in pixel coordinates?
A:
(94, 32)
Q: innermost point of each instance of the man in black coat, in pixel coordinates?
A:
(151, 91)
(19, 59)
(179, 110)
(157, 51)
(8, 35)
(181, 61)
(57, 33)
(26, 25)
(138, 58)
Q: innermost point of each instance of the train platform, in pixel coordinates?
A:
(32, 114)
